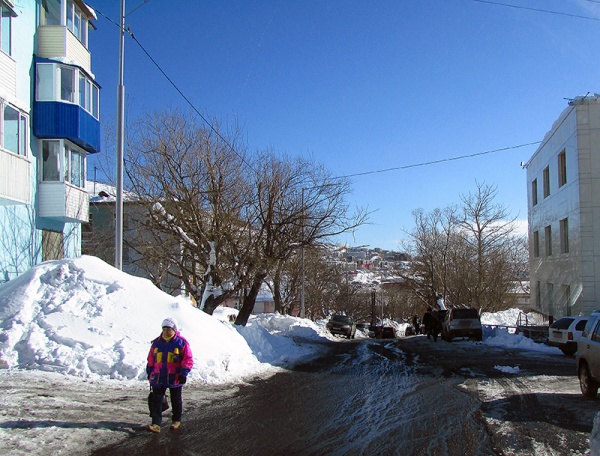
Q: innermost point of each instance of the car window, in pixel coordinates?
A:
(589, 326)
(465, 313)
(341, 319)
(580, 326)
(563, 323)
(596, 336)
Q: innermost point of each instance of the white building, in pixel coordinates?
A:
(563, 181)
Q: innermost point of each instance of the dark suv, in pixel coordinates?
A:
(342, 325)
(461, 323)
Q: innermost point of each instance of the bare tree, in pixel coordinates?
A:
(190, 182)
(469, 255)
(296, 203)
(488, 235)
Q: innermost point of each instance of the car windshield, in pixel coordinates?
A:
(341, 319)
(465, 313)
(563, 323)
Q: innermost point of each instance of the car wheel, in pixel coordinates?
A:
(589, 387)
(568, 351)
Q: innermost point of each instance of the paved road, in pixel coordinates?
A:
(405, 397)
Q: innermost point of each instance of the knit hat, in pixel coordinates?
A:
(169, 322)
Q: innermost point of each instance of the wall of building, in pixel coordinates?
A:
(565, 283)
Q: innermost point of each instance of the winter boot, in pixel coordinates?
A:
(175, 425)
(154, 428)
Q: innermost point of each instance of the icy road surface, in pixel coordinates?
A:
(409, 397)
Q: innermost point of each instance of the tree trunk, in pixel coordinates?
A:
(249, 300)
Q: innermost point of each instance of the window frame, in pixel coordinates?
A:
(562, 168)
(536, 244)
(49, 87)
(534, 192)
(22, 124)
(564, 235)
(548, 239)
(77, 22)
(71, 163)
(6, 19)
(546, 181)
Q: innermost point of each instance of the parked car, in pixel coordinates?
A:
(388, 332)
(565, 332)
(588, 357)
(382, 332)
(342, 325)
(461, 322)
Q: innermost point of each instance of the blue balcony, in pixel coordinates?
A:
(58, 120)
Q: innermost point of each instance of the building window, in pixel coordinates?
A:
(564, 235)
(548, 235)
(14, 130)
(76, 22)
(72, 86)
(63, 162)
(538, 295)
(562, 168)
(534, 192)
(536, 244)
(547, 182)
(50, 161)
(50, 13)
(6, 30)
(67, 84)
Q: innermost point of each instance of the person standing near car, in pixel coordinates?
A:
(169, 363)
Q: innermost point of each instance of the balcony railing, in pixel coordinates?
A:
(15, 180)
(56, 41)
(63, 201)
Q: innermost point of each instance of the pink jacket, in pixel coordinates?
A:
(168, 361)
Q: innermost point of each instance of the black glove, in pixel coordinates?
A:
(182, 379)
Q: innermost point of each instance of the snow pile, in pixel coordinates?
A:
(506, 317)
(508, 369)
(85, 318)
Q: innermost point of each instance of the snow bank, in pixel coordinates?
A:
(85, 318)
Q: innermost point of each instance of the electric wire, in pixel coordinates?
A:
(434, 162)
(539, 10)
(187, 100)
(364, 173)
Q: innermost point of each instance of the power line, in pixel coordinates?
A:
(365, 173)
(188, 101)
(540, 10)
(434, 162)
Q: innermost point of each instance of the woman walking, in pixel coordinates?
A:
(169, 362)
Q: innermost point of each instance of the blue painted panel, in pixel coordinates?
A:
(55, 120)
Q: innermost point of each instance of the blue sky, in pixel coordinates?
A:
(365, 86)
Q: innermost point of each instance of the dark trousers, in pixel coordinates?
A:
(176, 403)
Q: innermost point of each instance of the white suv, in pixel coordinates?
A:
(588, 357)
(461, 323)
(565, 332)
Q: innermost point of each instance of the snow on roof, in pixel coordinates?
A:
(105, 193)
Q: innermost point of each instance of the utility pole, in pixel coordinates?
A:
(120, 147)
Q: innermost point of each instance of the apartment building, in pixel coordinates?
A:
(563, 181)
(49, 123)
